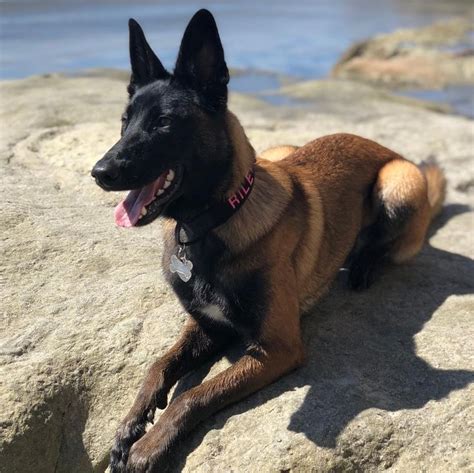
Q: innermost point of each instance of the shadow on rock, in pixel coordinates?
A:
(361, 349)
(361, 345)
(53, 432)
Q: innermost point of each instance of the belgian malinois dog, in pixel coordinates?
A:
(250, 243)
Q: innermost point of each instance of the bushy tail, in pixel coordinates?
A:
(436, 187)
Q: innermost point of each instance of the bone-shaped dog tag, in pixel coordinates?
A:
(182, 267)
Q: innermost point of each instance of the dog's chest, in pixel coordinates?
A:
(205, 294)
(202, 294)
(216, 294)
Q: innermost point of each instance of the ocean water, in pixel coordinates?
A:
(302, 39)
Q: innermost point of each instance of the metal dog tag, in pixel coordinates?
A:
(181, 265)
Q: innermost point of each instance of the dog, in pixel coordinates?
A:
(250, 243)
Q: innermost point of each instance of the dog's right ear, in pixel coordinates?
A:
(146, 67)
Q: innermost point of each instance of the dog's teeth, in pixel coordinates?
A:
(144, 212)
(167, 184)
(170, 175)
(160, 191)
(140, 217)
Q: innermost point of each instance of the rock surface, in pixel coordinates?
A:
(431, 57)
(85, 309)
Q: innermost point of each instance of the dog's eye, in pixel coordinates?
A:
(162, 122)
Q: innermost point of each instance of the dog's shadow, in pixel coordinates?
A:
(361, 349)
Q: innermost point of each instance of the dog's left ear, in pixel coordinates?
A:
(201, 64)
(146, 67)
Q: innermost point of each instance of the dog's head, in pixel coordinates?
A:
(174, 150)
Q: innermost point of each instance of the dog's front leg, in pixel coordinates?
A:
(278, 351)
(257, 368)
(194, 347)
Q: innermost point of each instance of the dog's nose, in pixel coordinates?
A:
(105, 173)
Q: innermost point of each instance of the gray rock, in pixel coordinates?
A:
(431, 57)
(84, 308)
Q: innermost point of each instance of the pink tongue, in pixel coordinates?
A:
(128, 211)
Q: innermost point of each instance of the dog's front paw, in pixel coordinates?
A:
(141, 459)
(132, 429)
(127, 434)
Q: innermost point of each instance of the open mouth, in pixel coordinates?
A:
(142, 206)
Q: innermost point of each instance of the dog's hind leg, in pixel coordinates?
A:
(413, 237)
(401, 199)
(193, 348)
(277, 351)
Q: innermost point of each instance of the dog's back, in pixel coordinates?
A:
(352, 193)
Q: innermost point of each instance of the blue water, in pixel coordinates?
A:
(302, 38)
(460, 98)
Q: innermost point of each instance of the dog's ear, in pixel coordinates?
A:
(146, 67)
(201, 64)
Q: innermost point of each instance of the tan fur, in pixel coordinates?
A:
(436, 187)
(278, 152)
(400, 181)
(424, 188)
(244, 154)
(309, 207)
